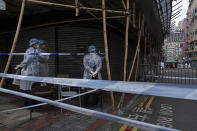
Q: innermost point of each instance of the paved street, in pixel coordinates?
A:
(173, 113)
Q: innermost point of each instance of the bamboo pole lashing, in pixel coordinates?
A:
(106, 51)
(14, 42)
(62, 22)
(133, 63)
(73, 7)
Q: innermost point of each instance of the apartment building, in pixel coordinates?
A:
(173, 47)
(192, 29)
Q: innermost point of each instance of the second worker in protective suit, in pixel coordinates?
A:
(43, 59)
(92, 64)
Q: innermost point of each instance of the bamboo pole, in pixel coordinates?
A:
(139, 22)
(76, 8)
(62, 22)
(73, 7)
(138, 54)
(131, 71)
(138, 45)
(137, 64)
(144, 54)
(145, 47)
(126, 46)
(134, 14)
(126, 41)
(106, 51)
(123, 4)
(14, 42)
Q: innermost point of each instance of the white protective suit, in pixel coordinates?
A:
(30, 67)
(92, 62)
(43, 63)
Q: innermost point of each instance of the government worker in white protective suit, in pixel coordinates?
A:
(43, 59)
(92, 64)
(29, 67)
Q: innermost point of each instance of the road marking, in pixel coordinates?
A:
(134, 129)
(123, 127)
(150, 102)
(147, 106)
(142, 103)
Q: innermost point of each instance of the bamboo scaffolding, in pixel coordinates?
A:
(133, 63)
(89, 12)
(62, 22)
(14, 42)
(106, 51)
(138, 45)
(74, 7)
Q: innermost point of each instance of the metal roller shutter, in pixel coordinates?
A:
(71, 38)
(116, 53)
(76, 39)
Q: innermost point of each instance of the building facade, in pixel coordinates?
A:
(192, 29)
(173, 48)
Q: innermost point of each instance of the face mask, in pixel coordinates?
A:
(37, 46)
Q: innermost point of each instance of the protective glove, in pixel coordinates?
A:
(17, 67)
(92, 72)
(95, 74)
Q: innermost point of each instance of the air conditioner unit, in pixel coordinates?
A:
(2, 5)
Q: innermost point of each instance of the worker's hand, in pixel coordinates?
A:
(17, 67)
(95, 74)
(92, 72)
